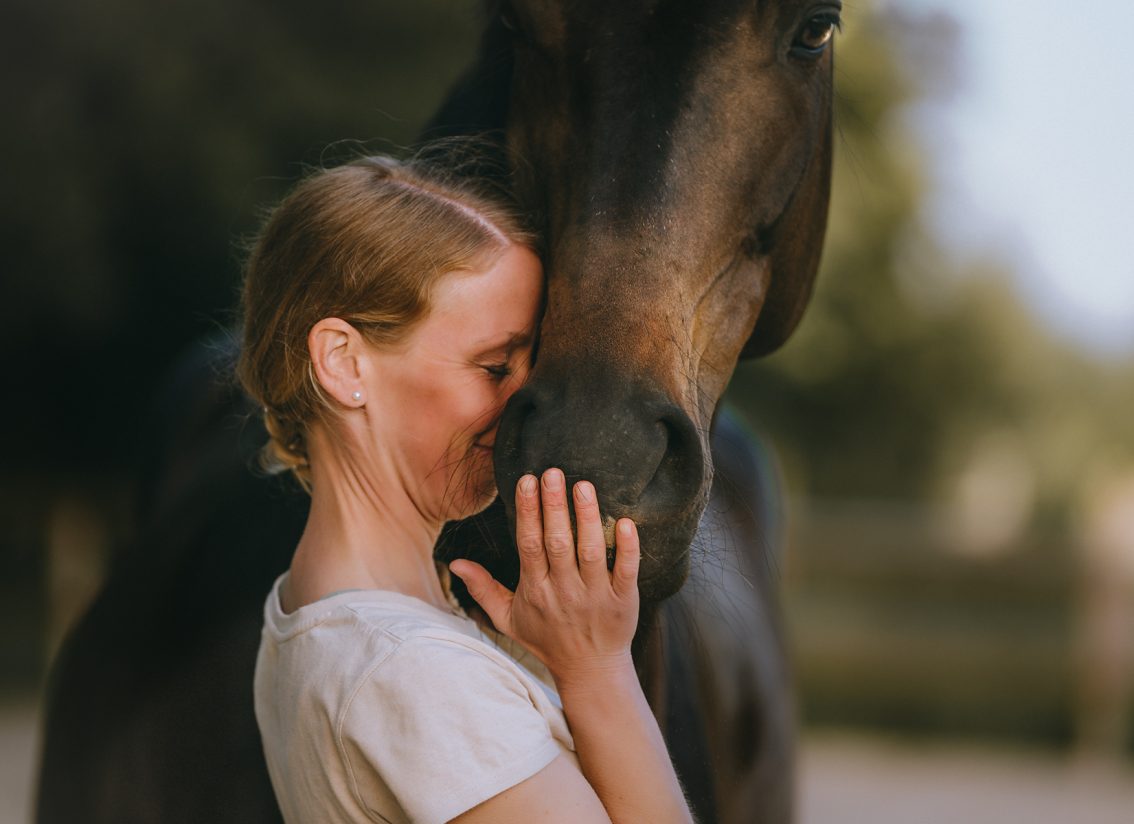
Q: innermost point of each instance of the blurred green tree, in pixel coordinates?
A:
(906, 360)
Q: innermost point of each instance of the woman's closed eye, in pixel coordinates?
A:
(498, 371)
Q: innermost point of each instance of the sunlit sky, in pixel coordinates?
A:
(1033, 156)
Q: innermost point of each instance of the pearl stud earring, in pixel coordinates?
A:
(356, 395)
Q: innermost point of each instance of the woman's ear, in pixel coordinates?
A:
(337, 351)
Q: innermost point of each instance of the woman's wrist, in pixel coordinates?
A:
(594, 675)
(619, 745)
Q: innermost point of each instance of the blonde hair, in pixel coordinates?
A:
(364, 242)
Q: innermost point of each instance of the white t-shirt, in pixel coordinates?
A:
(376, 706)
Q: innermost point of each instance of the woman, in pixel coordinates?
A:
(389, 315)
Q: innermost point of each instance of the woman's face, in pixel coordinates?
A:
(442, 391)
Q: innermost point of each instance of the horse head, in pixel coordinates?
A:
(679, 153)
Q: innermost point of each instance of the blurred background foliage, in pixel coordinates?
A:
(939, 446)
(944, 455)
(146, 138)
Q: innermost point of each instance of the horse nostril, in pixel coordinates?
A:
(679, 474)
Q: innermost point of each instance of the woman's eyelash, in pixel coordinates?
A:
(498, 370)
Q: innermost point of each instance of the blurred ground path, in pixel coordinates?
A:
(19, 751)
(859, 780)
(844, 780)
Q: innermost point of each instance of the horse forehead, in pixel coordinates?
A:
(665, 134)
(549, 10)
(557, 20)
(662, 70)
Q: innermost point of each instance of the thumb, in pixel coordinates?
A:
(492, 596)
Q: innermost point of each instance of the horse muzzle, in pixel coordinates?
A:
(642, 452)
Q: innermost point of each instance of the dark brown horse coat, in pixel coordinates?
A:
(678, 152)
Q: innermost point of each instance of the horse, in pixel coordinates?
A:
(678, 156)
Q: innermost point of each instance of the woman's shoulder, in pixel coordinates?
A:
(372, 630)
(366, 647)
(413, 648)
(363, 651)
(387, 612)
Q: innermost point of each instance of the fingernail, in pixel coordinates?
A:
(527, 486)
(553, 480)
(625, 527)
(585, 491)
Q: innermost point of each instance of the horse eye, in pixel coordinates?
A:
(817, 34)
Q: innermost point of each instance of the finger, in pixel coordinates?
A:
(626, 558)
(492, 596)
(591, 540)
(557, 538)
(529, 530)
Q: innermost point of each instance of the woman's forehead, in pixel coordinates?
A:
(488, 305)
(487, 329)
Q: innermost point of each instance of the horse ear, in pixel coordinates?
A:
(477, 104)
(796, 242)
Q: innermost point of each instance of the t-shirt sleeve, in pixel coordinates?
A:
(443, 727)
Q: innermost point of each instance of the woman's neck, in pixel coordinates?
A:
(364, 531)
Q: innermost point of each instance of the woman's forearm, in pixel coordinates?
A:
(619, 746)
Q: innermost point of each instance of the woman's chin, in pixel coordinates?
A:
(484, 503)
(478, 493)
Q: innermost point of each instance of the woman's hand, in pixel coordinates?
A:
(579, 618)
(568, 609)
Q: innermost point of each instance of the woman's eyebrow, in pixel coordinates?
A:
(507, 343)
